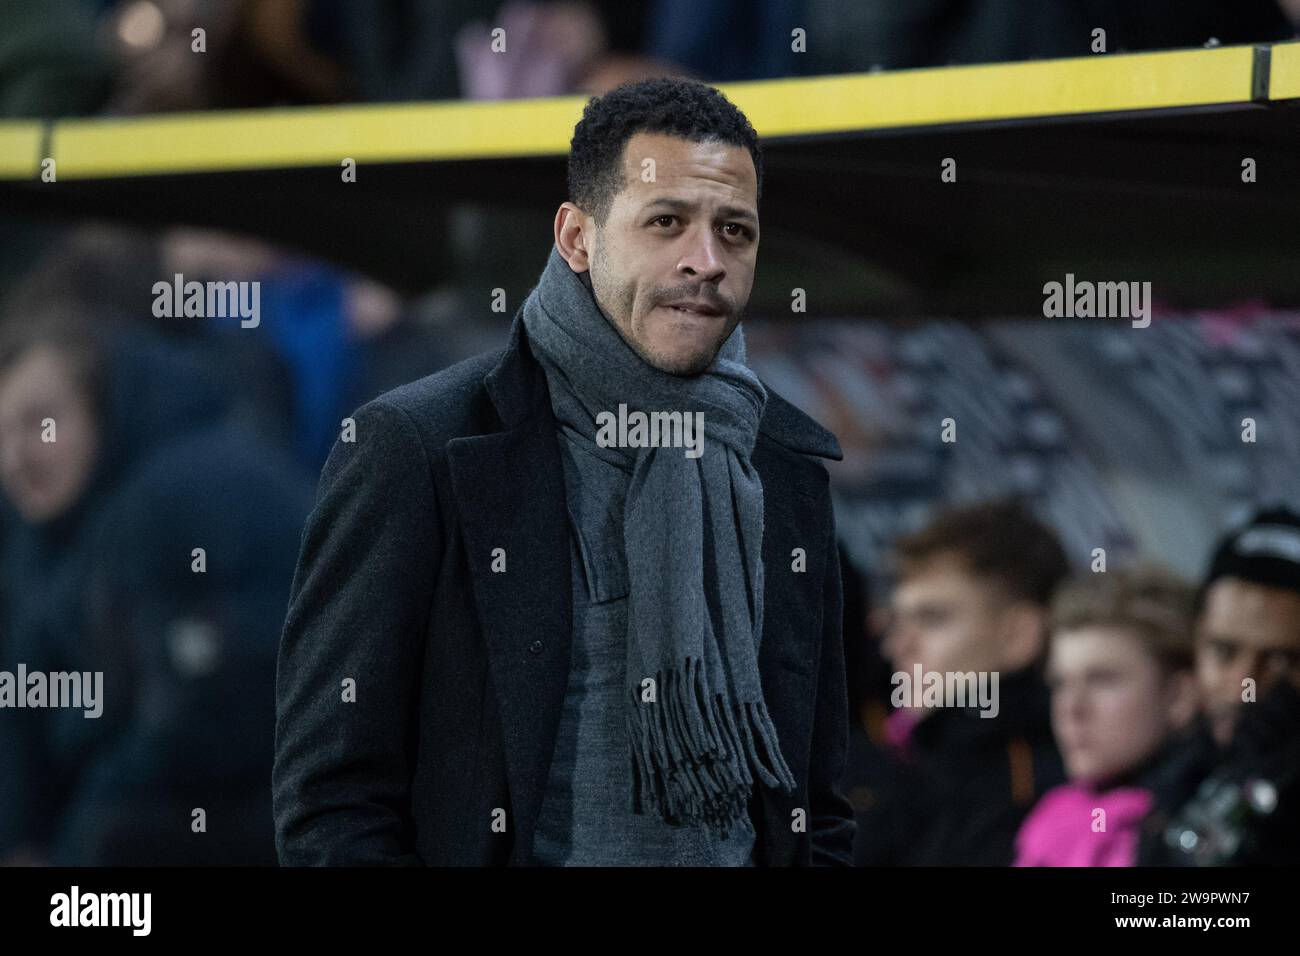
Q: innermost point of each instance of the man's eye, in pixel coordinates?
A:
(741, 230)
(669, 219)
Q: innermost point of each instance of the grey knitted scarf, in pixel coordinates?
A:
(693, 533)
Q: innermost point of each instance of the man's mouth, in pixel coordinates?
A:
(695, 308)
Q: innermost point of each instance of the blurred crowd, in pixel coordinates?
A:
(152, 538)
(1140, 719)
(64, 57)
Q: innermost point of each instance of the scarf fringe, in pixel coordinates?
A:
(693, 757)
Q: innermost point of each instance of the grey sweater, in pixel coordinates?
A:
(585, 819)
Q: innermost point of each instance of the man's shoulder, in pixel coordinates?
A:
(446, 404)
(800, 444)
(795, 430)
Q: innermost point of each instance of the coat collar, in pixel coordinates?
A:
(517, 385)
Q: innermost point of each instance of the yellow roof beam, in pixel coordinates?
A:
(960, 94)
(1284, 72)
(418, 132)
(20, 148)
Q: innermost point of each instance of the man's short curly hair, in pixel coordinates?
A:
(679, 107)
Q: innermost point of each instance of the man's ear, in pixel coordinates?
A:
(1023, 634)
(1181, 698)
(574, 233)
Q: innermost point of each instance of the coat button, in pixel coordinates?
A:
(535, 647)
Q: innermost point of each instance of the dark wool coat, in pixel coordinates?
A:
(460, 671)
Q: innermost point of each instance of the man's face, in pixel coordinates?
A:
(1246, 630)
(44, 478)
(689, 238)
(945, 619)
(1111, 704)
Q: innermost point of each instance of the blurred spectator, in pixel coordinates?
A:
(726, 40)
(157, 68)
(972, 596)
(546, 48)
(850, 36)
(100, 574)
(250, 53)
(413, 50)
(51, 63)
(328, 341)
(394, 344)
(1234, 798)
(1123, 688)
(115, 268)
(280, 52)
(1250, 620)
(553, 48)
(400, 50)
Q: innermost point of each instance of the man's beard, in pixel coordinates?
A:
(691, 366)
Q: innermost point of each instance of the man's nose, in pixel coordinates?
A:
(703, 256)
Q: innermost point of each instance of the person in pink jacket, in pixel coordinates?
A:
(1120, 669)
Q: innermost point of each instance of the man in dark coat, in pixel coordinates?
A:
(517, 638)
(1230, 794)
(950, 782)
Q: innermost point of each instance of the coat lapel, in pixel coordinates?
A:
(509, 489)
